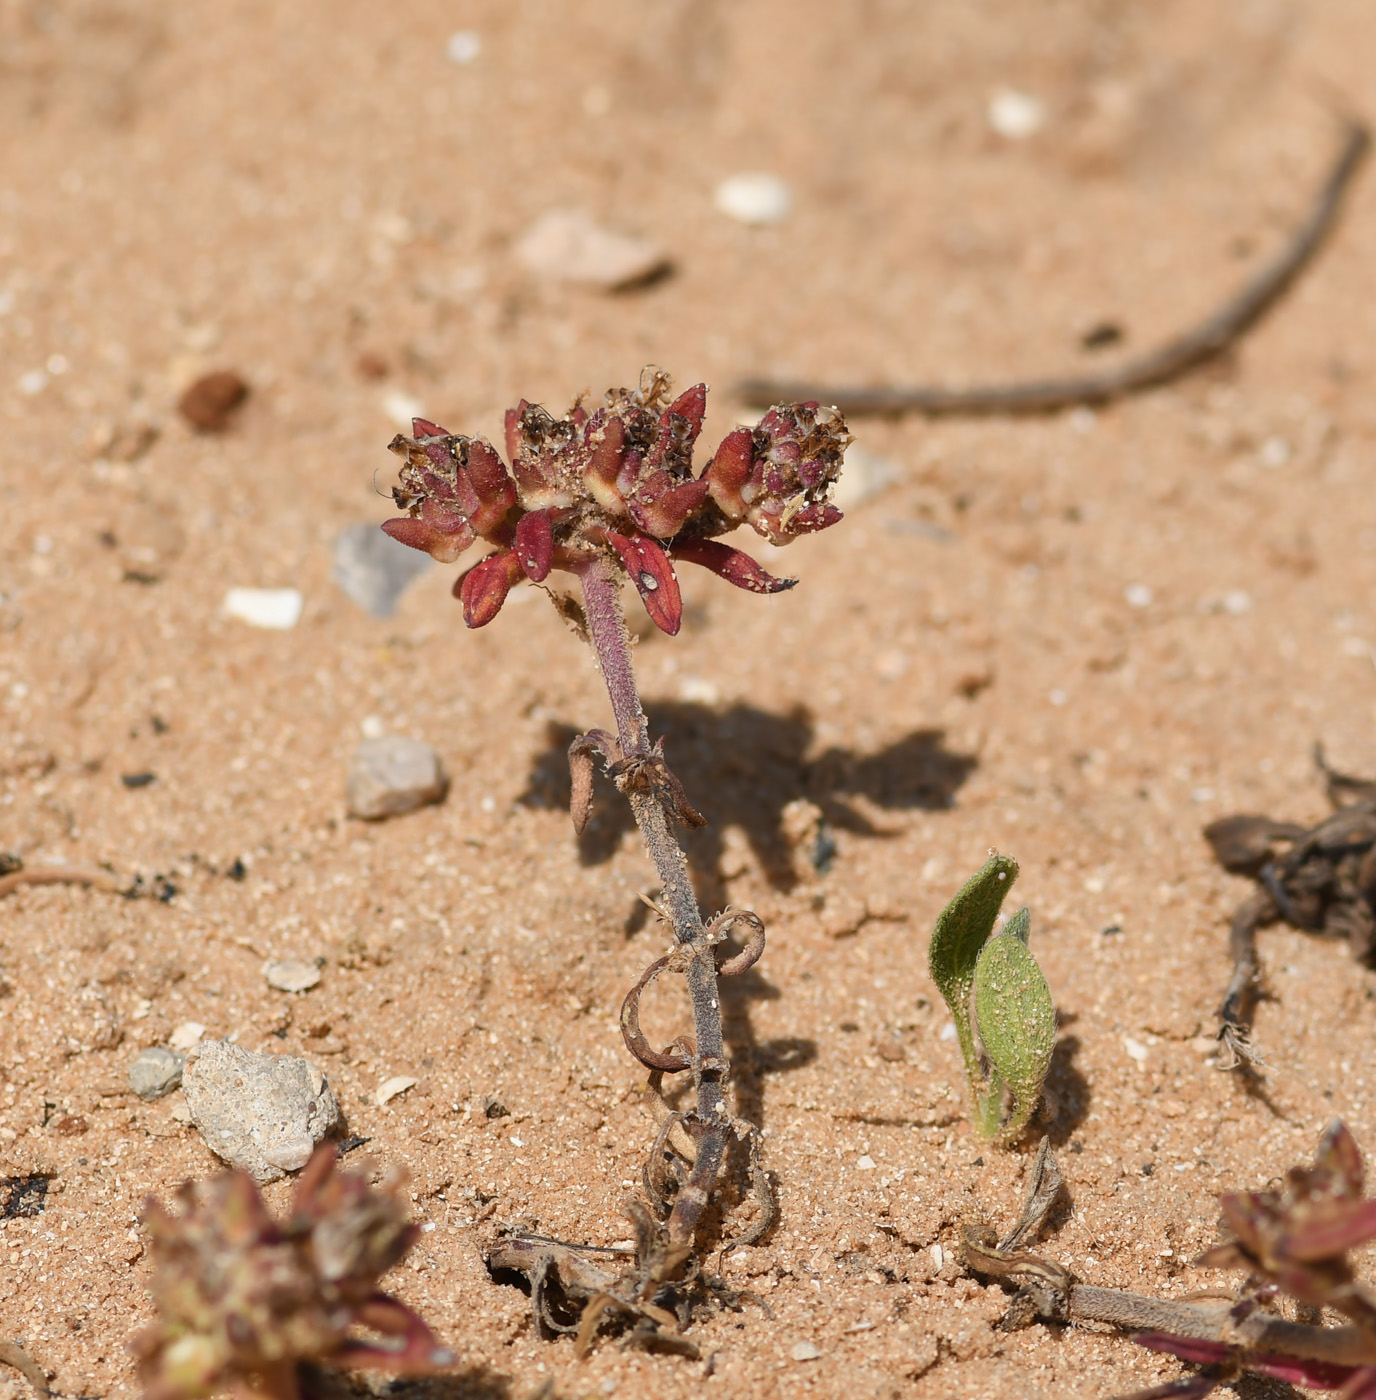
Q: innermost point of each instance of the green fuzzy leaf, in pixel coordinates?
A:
(961, 932)
(1016, 1019)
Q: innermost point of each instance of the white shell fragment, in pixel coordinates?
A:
(566, 245)
(390, 1088)
(292, 975)
(754, 197)
(805, 1351)
(275, 608)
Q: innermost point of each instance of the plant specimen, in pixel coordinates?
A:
(610, 496)
(1293, 1242)
(1322, 879)
(998, 998)
(242, 1299)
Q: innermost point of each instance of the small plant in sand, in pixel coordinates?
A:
(998, 998)
(609, 496)
(242, 1299)
(1293, 1243)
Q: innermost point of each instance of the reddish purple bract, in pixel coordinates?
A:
(616, 483)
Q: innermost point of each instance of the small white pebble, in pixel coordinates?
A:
(42, 544)
(401, 407)
(372, 727)
(1059, 697)
(805, 1351)
(698, 690)
(464, 46)
(865, 1163)
(1138, 595)
(1016, 115)
(1275, 452)
(948, 1031)
(1237, 601)
(1202, 794)
(1136, 1050)
(938, 1258)
(754, 198)
(58, 364)
(186, 1035)
(275, 608)
(390, 1088)
(32, 382)
(427, 1227)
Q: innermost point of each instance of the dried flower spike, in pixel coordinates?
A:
(616, 484)
(241, 1299)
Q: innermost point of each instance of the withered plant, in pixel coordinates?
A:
(610, 497)
(243, 1300)
(1292, 1242)
(1321, 879)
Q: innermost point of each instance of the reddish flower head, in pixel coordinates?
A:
(616, 483)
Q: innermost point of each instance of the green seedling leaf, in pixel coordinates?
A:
(1017, 1022)
(961, 932)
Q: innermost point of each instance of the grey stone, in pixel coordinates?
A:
(373, 569)
(155, 1072)
(392, 775)
(264, 1113)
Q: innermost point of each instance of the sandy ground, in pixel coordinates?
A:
(320, 198)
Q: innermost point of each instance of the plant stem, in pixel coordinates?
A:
(712, 1121)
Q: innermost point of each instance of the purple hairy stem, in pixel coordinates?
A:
(711, 1123)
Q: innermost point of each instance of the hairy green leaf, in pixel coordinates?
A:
(1016, 1019)
(961, 932)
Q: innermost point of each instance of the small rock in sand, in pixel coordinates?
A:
(292, 975)
(754, 197)
(391, 775)
(264, 1113)
(187, 1034)
(155, 1072)
(278, 609)
(373, 569)
(209, 403)
(565, 245)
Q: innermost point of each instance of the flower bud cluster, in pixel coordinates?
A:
(617, 482)
(240, 1296)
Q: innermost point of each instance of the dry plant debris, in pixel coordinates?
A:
(1293, 1242)
(243, 1300)
(1321, 879)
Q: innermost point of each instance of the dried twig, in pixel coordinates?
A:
(60, 875)
(12, 1354)
(1159, 366)
(1294, 1240)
